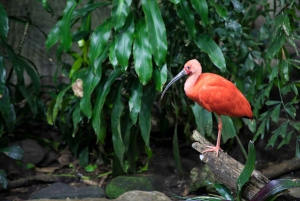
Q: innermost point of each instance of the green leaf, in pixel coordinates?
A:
(75, 67)
(156, 31)
(238, 6)
(203, 119)
(112, 54)
(79, 35)
(142, 53)
(208, 45)
(223, 190)
(76, 118)
(160, 77)
(135, 100)
(47, 6)
(228, 129)
(8, 111)
(102, 92)
(248, 169)
(275, 113)
(29, 99)
(17, 63)
(275, 187)
(35, 79)
(3, 180)
(280, 131)
(65, 25)
(176, 1)
(221, 10)
(2, 76)
(286, 140)
(53, 36)
(58, 102)
(4, 27)
(87, 8)
(84, 156)
(90, 168)
(120, 12)
(118, 144)
(99, 60)
(276, 45)
(249, 63)
(14, 152)
(184, 12)
(145, 113)
(89, 81)
(124, 42)
(202, 8)
(271, 102)
(99, 40)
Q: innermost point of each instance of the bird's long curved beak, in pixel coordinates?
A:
(177, 77)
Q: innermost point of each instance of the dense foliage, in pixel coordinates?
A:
(121, 65)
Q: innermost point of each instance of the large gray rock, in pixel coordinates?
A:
(143, 196)
(123, 184)
(129, 196)
(62, 191)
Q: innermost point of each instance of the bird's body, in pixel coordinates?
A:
(214, 93)
(217, 94)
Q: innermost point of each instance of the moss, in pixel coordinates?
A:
(122, 184)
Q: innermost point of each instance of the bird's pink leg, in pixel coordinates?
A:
(217, 148)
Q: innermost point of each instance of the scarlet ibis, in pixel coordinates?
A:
(214, 93)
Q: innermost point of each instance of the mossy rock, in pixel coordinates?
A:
(122, 184)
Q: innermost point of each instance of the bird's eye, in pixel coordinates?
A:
(188, 67)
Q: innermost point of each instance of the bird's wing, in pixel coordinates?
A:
(222, 97)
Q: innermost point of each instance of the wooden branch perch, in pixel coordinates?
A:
(227, 169)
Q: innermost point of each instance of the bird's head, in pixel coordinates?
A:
(190, 67)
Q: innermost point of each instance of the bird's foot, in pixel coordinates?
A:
(213, 149)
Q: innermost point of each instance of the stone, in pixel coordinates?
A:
(199, 176)
(143, 196)
(61, 191)
(122, 184)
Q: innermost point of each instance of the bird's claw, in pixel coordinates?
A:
(213, 149)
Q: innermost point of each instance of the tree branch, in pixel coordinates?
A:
(227, 169)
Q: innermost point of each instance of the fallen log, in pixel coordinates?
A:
(282, 168)
(227, 169)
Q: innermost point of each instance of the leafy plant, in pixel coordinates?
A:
(18, 101)
(126, 59)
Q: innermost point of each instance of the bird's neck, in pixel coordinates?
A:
(190, 82)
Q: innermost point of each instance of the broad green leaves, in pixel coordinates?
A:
(65, 25)
(102, 92)
(2, 76)
(120, 12)
(156, 31)
(99, 40)
(247, 171)
(7, 110)
(117, 140)
(124, 41)
(206, 44)
(90, 81)
(145, 113)
(202, 8)
(142, 53)
(3, 23)
(203, 119)
(187, 16)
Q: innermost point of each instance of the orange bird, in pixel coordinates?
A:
(214, 93)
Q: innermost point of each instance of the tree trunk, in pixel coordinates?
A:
(227, 169)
